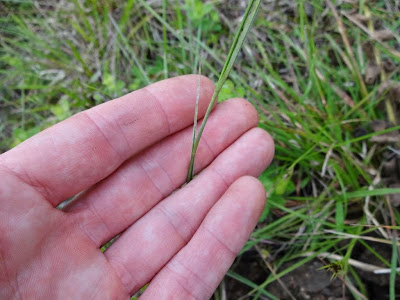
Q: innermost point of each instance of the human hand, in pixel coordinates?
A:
(128, 156)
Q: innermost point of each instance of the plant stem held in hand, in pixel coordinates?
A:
(241, 34)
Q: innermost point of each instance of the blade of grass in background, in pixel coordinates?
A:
(241, 34)
(394, 263)
(165, 40)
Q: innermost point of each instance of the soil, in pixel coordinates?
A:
(309, 281)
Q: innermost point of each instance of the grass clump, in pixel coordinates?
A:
(324, 79)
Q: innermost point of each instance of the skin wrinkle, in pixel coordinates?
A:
(35, 183)
(217, 181)
(25, 181)
(177, 294)
(182, 219)
(214, 170)
(166, 173)
(121, 270)
(92, 209)
(27, 207)
(167, 121)
(120, 131)
(85, 206)
(53, 143)
(148, 160)
(187, 291)
(3, 264)
(148, 175)
(224, 245)
(106, 138)
(204, 140)
(49, 137)
(199, 278)
(125, 214)
(180, 277)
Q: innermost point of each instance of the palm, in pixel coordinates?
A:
(128, 156)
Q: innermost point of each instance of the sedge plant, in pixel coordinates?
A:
(238, 41)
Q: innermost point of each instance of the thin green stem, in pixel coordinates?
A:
(241, 34)
(165, 40)
(392, 286)
(196, 112)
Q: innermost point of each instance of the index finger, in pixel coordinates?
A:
(80, 151)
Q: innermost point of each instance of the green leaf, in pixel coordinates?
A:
(230, 91)
(272, 201)
(21, 135)
(283, 183)
(62, 109)
(375, 192)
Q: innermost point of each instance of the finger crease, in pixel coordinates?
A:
(122, 133)
(100, 130)
(186, 224)
(167, 174)
(125, 276)
(151, 179)
(221, 242)
(92, 209)
(204, 140)
(181, 279)
(220, 176)
(29, 180)
(161, 108)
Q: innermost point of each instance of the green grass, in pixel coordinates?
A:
(302, 66)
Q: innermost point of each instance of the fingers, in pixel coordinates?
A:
(115, 203)
(196, 271)
(144, 248)
(72, 155)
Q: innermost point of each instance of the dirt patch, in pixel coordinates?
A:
(309, 281)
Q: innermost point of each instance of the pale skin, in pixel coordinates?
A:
(126, 158)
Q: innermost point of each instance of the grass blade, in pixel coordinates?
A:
(392, 286)
(249, 283)
(196, 112)
(165, 40)
(241, 34)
